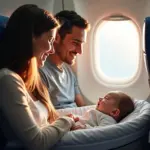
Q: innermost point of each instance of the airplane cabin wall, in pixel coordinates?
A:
(94, 10)
(7, 6)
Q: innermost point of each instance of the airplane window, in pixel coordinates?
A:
(116, 51)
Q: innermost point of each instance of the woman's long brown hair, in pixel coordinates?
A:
(17, 51)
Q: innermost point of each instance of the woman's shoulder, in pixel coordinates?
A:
(10, 79)
(7, 72)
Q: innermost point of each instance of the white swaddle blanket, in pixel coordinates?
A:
(94, 118)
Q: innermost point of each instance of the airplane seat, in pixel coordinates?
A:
(3, 140)
(146, 36)
(3, 21)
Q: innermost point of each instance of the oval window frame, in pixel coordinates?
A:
(99, 75)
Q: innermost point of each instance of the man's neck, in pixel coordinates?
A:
(55, 60)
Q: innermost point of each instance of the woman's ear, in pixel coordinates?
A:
(115, 112)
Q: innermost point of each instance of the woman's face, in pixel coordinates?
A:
(43, 46)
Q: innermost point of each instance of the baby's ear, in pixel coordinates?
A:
(115, 112)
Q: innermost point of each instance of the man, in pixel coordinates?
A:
(57, 73)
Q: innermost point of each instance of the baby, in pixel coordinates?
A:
(109, 110)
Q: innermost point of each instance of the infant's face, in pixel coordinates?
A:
(107, 104)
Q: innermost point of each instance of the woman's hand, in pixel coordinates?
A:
(73, 117)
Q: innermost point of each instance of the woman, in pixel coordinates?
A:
(26, 113)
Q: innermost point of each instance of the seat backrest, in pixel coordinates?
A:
(3, 140)
(146, 40)
(3, 21)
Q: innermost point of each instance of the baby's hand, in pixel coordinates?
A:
(73, 117)
(78, 127)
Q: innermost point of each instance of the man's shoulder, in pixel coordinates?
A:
(47, 64)
(68, 69)
(47, 68)
(66, 66)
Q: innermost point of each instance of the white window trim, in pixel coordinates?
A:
(101, 77)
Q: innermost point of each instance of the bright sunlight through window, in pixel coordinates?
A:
(116, 51)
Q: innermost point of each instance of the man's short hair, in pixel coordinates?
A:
(68, 19)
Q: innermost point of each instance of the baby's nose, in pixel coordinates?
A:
(100, 99)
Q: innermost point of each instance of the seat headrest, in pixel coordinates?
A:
(3, 21)
(146, 36)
